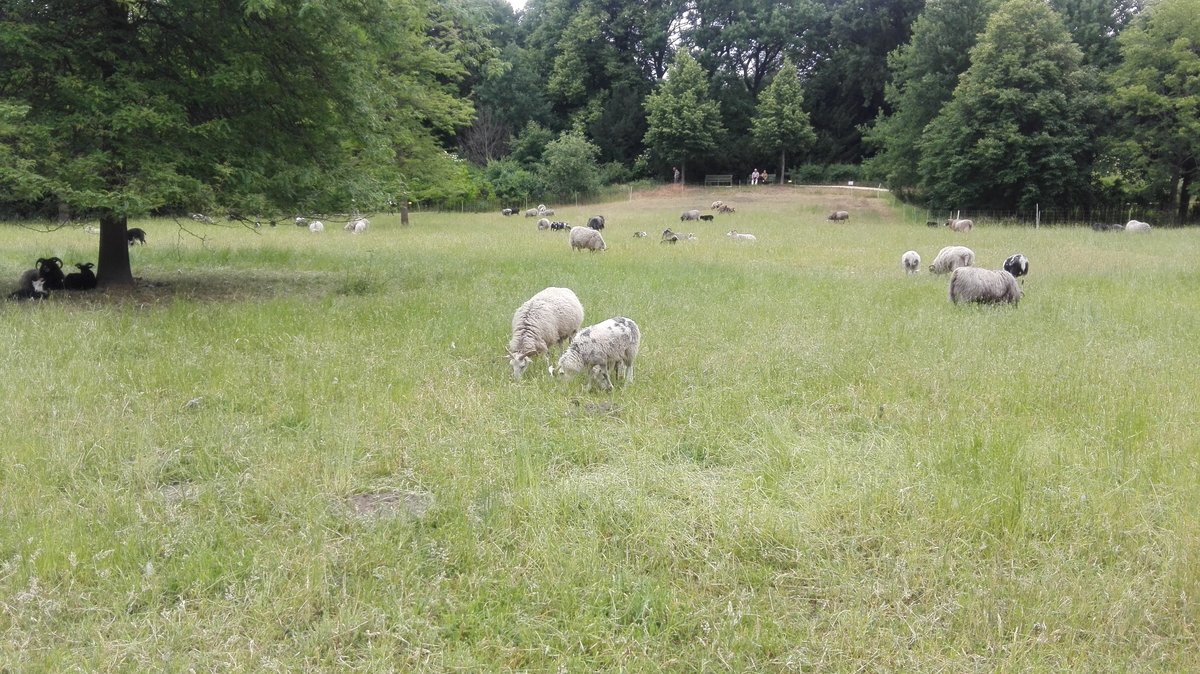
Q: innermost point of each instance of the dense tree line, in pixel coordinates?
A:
(280, 106)
(996, 104)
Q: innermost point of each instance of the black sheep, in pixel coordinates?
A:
(84, 279)
(51, 273)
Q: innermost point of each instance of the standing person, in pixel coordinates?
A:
(676, 169)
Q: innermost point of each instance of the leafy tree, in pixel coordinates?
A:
(743, 41)
(924, 72)
(1157, 95)
(1095, 26)
(116, 108)
(1015, 133)
(529, 147)
(845, 89)
(510, 182)
(683, 122)
(781, 124)
(570, 165)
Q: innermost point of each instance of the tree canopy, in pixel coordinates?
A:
(780, 123)
(119, 108)
(265, 107)
(684, 122)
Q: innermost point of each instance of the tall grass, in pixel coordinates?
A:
(287, 451)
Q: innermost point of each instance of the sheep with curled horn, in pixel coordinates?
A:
(50, 270)
(84, 279)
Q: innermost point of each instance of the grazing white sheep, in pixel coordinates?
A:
(716, 204)
(950, 258)
(985, 286)
(733, 234)
(585, 238)
(316, 226)
(549, 318)
(693, 214)
(531, 213)
(544, 223)
(357, 225)
(911, 261)
(506, 212)
(839, 215)
(601, 348)
(1017, 265)
(959, 225)
(1137, 226)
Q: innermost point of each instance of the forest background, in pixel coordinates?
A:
(1085, 106)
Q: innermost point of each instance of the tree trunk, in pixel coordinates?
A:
(1185, 191)
(404, 214)
(782, 166)
(112, 268)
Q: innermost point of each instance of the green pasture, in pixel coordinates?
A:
(288, 452)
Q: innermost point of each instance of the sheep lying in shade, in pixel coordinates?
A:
(585, 238)
(950, 258)
(1137, 226)
(49, 269)
(985, 286)
(36, 290)
(959, 225)
(600, 349)
(911, 261)
(84, 279)
(733, 234)
(547, 319)
(1017, 265)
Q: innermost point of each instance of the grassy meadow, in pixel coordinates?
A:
(293, 452)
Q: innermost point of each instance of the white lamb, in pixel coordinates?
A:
(952, 257)
(1137, 226)
(600, 349)
(911, 261)
(733, 234)
(316, 226)
(551, 317)
(585, 238)
(986, 286)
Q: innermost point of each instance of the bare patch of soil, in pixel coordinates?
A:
(390, 504)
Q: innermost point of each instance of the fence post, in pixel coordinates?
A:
(1037, 216)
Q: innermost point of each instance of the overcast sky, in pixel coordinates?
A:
(517, 4)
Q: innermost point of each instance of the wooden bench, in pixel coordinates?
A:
(768, 179)
(710, 180)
